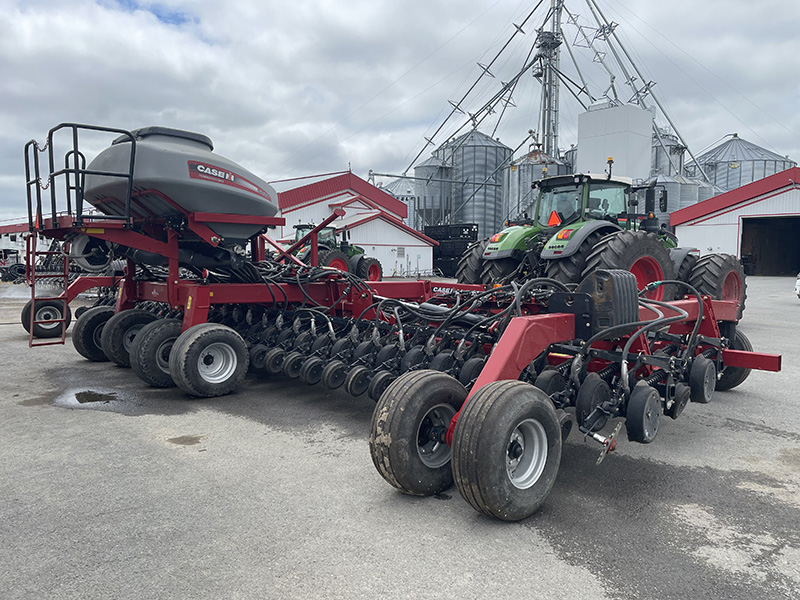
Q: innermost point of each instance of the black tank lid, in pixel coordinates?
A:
(178, 133)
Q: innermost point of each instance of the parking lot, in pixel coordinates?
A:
(109, 489)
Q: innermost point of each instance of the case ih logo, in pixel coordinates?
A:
(198, 170)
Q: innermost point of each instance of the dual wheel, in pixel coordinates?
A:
(506, 445)
(206, 360)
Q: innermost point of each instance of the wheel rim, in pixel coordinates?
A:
(732, 287)
(48, 313)
(647, 269)
(434, 454)
(162, 354)
(131, 332)
(217, 363)
(374, 272)
(338, 263)
(526, 454)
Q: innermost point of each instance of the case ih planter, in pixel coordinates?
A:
(472, 384)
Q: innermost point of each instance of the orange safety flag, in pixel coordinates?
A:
(554, 219)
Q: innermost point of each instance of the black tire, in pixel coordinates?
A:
(370, 269)
(120, 331)
(334, 374)
(87, 331)
(498, 269)
(385, 356)
(311, 371)
(640, 252)
(720, 276)
(412, 408)
(471, 263)
(682, 396)
(380, 381)
(414, 359)
(644, 414)
(570, 269)
(334, 258)
(684, 271)
(342, 348)
(445, 361)
(470, 370)
(273, 361)
(500, 420)
(292, 363)
(734, 376)
(258, 356)
(702, 379)
(593, 392)
(208, 360)
(550, 381)
(357, 380)
(150, 350)
(46, 310)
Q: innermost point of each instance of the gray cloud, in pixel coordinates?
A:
(308, 87)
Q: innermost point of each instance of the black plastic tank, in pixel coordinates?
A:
(176, 172)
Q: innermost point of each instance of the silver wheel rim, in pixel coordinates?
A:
(48, 313)
(526, 465)
(162, 354)
(130, 333)
(434, 454)
(217, 363)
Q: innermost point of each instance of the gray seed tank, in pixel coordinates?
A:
(176, 172)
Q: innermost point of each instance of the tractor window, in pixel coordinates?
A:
(606, 200)
(565, 201)
(326, 236)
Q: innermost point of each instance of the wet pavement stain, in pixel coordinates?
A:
(40, 401)
(186, 440)
(90, 396)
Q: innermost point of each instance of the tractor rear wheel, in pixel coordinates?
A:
(470, 265)
(639, 252)
(507, 449)
(571, 268)
(405, 435)
(334, 258)
(495, 270)
(370, 269)
(720, 276)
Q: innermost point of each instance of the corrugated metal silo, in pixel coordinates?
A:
(518, 196)
(433, 194)
(689, 191)
(476, 157)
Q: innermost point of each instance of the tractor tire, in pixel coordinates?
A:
(471, 263)
(149, 352)
(496, 270)
(119, 332)
(411, 408)
(639, 252)
(734, 376)
(370, 269)
(334, 258)
(507, 449)
(87, 331)
(683, 275)
(208, 360)
(46, 310)
(571, 268)
(720, 276)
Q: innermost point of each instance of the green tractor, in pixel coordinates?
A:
(340, 255)
(587, 222)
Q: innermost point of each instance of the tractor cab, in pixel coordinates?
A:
(327, 235)
(571, 199)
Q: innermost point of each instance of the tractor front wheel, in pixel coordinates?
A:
(496, 270)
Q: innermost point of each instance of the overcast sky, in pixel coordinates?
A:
(304, 87)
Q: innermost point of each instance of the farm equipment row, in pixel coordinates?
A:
(474, 386)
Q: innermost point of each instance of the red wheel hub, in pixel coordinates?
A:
(338, 263)
(647, 269)
(732, 287)
(374, 272)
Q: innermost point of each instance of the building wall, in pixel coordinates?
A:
(723, 232)
(400, 252)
